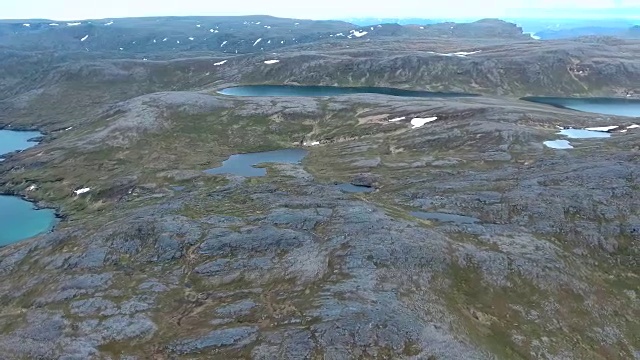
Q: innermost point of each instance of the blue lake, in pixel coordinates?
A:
(584, 134)
(244, 164)
(558, 144)
(20, 219)
(606, 106)
(312, 91)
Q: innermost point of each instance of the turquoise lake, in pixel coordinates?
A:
(19, 219)
(11, 141)
(606, 106)
(314, 91)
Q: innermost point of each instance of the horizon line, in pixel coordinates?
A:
(503, 17)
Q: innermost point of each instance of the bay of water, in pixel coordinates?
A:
(20, 220)
(11, 141)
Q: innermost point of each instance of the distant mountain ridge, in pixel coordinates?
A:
(589, 31)
(246, 34)
(400, 21)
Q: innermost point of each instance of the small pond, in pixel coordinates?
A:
(244, 164)
(20, 219)
(584, 134)
(558, 144)
(444, 217)
(606, 106)
(313, 91)
(350, 188)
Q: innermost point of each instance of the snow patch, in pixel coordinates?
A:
(358, 33)
(32, 187)
(54, 24)
(191, 38)
(418, 122)
(198, 25)
(82, 191)
(84, 38)
(267, 27)
(74, 24)
(165, 39)
(269, 62)
(257, 41)
(223, 44)
(220, 63)
(109, 23)
(464, 53)
(458, 54)
(634, 126)
(26, 25)
(397, 119)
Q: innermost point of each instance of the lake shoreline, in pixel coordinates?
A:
(38, 205)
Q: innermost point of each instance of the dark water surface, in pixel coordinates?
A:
(350, 188)
(244, 164)
(311, 91)
(444, 217)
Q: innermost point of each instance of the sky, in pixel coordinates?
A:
(323, 9)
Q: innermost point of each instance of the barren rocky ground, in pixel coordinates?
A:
(162, 261)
